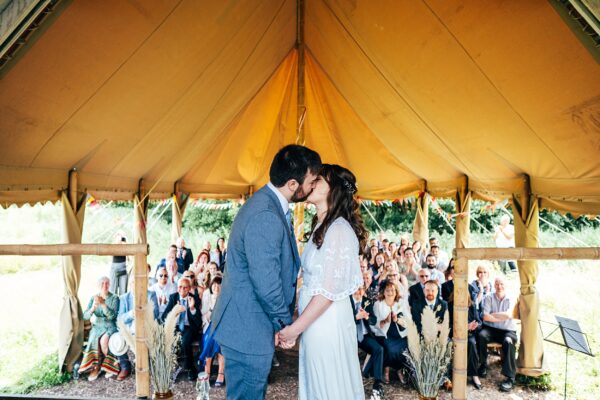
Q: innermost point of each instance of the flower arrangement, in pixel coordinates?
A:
(429, 353)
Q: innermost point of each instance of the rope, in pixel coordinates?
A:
(372, 217)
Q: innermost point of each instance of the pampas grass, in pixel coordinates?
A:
(162, 342)
(429, 354)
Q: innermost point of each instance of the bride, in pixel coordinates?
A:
(329, 366)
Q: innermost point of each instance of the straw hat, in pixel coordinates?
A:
(117, 344)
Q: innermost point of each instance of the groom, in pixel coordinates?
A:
(257, 297)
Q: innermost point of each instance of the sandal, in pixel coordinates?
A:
(219, 383)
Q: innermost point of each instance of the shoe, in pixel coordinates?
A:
(401, 377)
(275, 362)
(191, 375)
(448, 385)
(507, 385)
(476, 383)
(123, 374)
(482, 373)
(109, 375)
(220, 383)
(377, 394)
(94, 374)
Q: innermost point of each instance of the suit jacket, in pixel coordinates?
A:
(447, 289)
(183, 263)
(127, 309)
(440, 308)
(195, 320)
(368, 308)
(415, 294)
(259, 284)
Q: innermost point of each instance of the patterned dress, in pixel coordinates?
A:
(105, 323)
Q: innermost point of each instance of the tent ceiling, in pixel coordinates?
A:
(405, 94)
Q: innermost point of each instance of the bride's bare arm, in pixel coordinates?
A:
(316, 307)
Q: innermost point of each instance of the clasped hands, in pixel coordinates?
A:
(286, 338)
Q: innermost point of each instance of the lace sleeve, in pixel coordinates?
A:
(336, 264)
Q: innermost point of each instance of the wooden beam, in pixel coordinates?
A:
(525, 197)
(529, 253)
(73, 249)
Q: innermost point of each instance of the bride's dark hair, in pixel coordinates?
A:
(340, 203)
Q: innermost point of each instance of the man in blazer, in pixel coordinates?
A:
(416, 292)
(189, 322)
(362, 309)
(259, 285)
(432, 300)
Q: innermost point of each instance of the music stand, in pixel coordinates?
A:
(573, 339)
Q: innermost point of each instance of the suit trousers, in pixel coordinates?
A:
(375, 365)
(509, 347)
(472, 355)
(246, 374)
(188, 336)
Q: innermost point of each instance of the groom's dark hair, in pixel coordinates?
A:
(293, 162)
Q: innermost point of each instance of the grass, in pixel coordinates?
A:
(33, 287)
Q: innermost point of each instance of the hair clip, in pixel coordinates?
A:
(350, 188)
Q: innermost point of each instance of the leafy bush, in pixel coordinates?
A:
(542, 382)
(43, 374)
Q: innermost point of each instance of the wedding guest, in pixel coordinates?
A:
(163, 289)
(504, 236)
(410, 268)
(431, 264)
(378, 269)
(499, 326)
(222, 249)
(392, 274)
(442, 261)
(370, 292)
(189, 322)
(118, 270)
(126, 314)
(195, 289)
(211, 347)
(96, 357)
(362, 307)
(393, 249)
(391, 312)
(172, 270)
(420, 252)
(482, 287)
(416, 291)
(442, 256)
(171, 253)
(373, 251)
(433, 301)
(201, 265)
(184, 256)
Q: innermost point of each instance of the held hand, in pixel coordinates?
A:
(287, 337)
(276, 339)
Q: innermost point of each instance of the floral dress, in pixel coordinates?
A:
(105, 323)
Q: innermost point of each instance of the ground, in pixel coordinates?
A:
(284, 386)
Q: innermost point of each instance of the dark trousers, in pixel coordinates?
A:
(472, 355)
(374, 366)
(188, 336)
(124, 362)
(246, 374)
(509, 348)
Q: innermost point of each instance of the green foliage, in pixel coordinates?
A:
(45, 373)
(542, 382)
(214, 221)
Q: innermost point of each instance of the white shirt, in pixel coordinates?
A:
(501, 240)
(285, 205)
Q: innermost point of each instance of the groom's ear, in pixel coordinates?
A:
(292, 185)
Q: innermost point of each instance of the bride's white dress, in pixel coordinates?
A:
(329, 365)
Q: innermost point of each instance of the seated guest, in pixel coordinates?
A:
(432, 300)
(364, 263)
(499, 326)
(373, 251)
(189, 322)
(96, 357)
(118, 269)
(482, 286)
(442, 261)
(172, 252)
(416, 292)
(442, 255)
(370, 291)
(127, 316)
(420, 252)
(163, 289)
(172, 270)
(391, 311)
(195, 289)
(201, 265)
(151, 279)
(436, 274)
(378, 270)
(363, 315)
(410, 268)
(393, 250)
(211, 347)
(183, 255)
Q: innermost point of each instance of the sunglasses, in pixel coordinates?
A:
(162, 275)
(183, 287)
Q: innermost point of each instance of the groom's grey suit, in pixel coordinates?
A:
(258, 293)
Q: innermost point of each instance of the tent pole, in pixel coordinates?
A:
(142, 374)
(461, 293)
(301, 63)
(421, 223)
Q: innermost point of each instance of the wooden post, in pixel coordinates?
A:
(461, 293)
(301, 64)
(525, 197)
(142, 367)
(72, 249)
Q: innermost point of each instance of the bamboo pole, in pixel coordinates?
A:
(142, 370)
(301, 63)
(530, 253)
(74, 249)
(461, 293)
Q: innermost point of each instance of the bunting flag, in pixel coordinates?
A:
(204, 205)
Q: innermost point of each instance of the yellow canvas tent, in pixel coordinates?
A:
(489, 100)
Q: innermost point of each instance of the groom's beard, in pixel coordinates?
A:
(299, 195)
